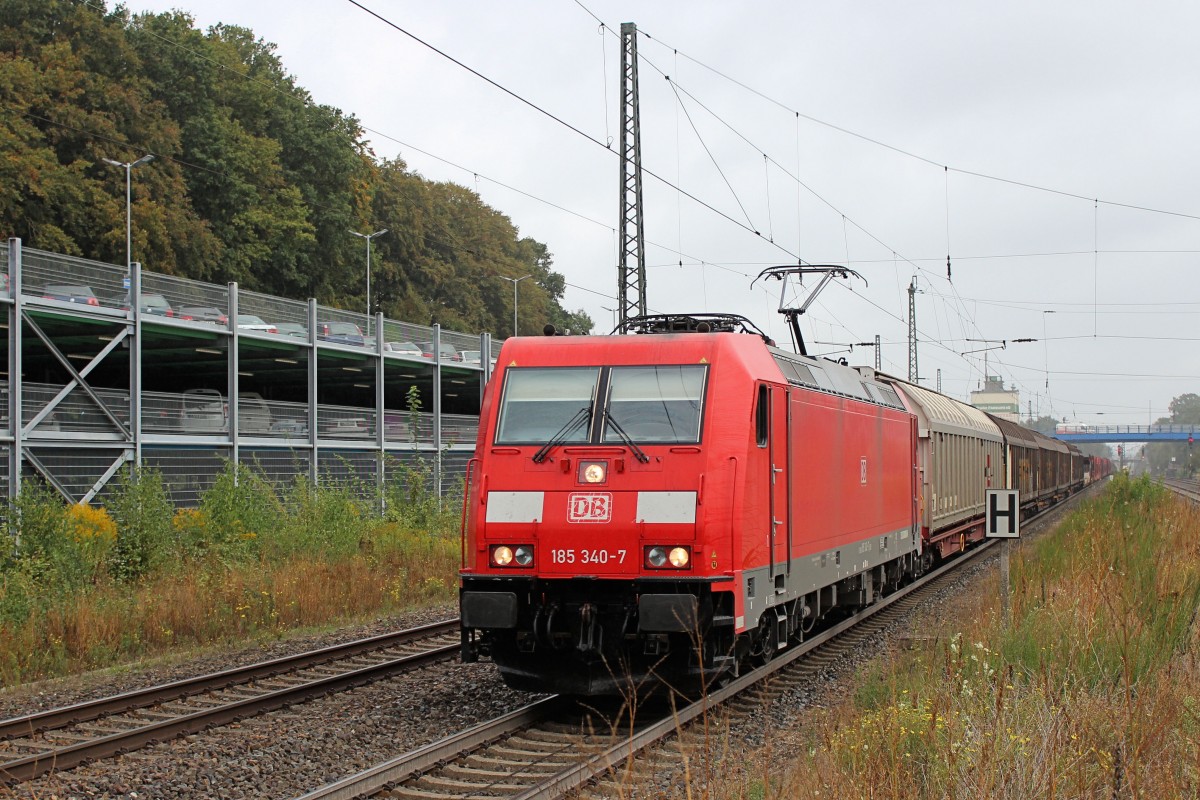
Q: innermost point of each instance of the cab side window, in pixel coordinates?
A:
(762, 415)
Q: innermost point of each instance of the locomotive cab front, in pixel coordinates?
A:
(586, 567)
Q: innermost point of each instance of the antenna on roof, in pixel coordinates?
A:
(828, 271)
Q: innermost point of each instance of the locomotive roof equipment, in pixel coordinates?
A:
(793, 314)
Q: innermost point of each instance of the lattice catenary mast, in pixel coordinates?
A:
(912, 331)
(631, 258)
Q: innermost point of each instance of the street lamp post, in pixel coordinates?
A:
(128, 167)
(514, 282)
(369, 237)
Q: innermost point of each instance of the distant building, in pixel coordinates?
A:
(995, 399)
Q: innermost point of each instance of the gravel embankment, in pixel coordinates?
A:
(280, 754)
(743, 746)
(287, 753)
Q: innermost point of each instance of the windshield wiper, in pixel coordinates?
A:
(638, 452)
(566, 430)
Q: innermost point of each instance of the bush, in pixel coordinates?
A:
(240, 506)
(142, 514)
(85, 586)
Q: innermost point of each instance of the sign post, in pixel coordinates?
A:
(1002, 520)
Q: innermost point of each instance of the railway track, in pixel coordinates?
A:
(1183, 487)
(555, 746)
(66, 737)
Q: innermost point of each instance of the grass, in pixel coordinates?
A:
(1092, 691)
(87, 587)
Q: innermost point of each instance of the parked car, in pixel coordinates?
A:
(346, 428)
(472, 357)
(254, 416)
(342, 332)
(289, 427)
(292, 329)
(249, 322)
(70, 293)
(448, 353)
(204, 314)
(402, 349)
(154, 304)
(205, 411)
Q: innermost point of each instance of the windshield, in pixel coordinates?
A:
(539, 402)
(655, 404)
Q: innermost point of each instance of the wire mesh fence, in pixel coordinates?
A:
(66, 279)
(77, 412)
(277, 435)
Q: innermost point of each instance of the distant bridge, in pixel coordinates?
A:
(1127, 433)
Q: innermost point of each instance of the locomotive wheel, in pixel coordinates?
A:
(766, 643)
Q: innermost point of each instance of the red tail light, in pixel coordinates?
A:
(93, 301)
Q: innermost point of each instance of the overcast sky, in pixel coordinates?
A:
(1096, 101)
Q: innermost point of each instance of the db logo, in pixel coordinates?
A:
(589, 507)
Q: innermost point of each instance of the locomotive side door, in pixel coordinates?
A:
(779, 438)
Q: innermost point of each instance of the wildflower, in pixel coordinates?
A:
(89, 522)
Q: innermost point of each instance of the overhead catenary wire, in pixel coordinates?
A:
(910, 154)
(558, 120)
(678, 249)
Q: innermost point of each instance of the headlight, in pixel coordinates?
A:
(520, 555)
(593, 472)
(668, 557)
(502, 556)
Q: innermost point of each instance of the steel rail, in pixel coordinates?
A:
(411, 765)
(155, 695)
(67, 757)
(1188, 489)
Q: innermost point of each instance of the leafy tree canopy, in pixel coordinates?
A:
(252, 181)
(1177, 457)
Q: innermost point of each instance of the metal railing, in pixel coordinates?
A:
(72, 280)
(75, 413)
(274, 310)
(1170, 428)
(80, 443)
(187, 297)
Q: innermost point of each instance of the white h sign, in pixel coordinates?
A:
(1003, 514)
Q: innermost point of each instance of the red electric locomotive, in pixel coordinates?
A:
(657, 509)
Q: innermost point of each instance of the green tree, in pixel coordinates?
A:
(252, 180)
(1176, 457)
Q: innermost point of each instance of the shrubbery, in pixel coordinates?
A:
(83, 586)
(1090, 691)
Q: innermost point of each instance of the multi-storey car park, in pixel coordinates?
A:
(98, 382)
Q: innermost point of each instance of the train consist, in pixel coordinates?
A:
(665, 508)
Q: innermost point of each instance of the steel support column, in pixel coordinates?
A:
(135, 370)
(380, 426)
(15, 411)
(437, 411)
(314, 473)
(232, 361)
